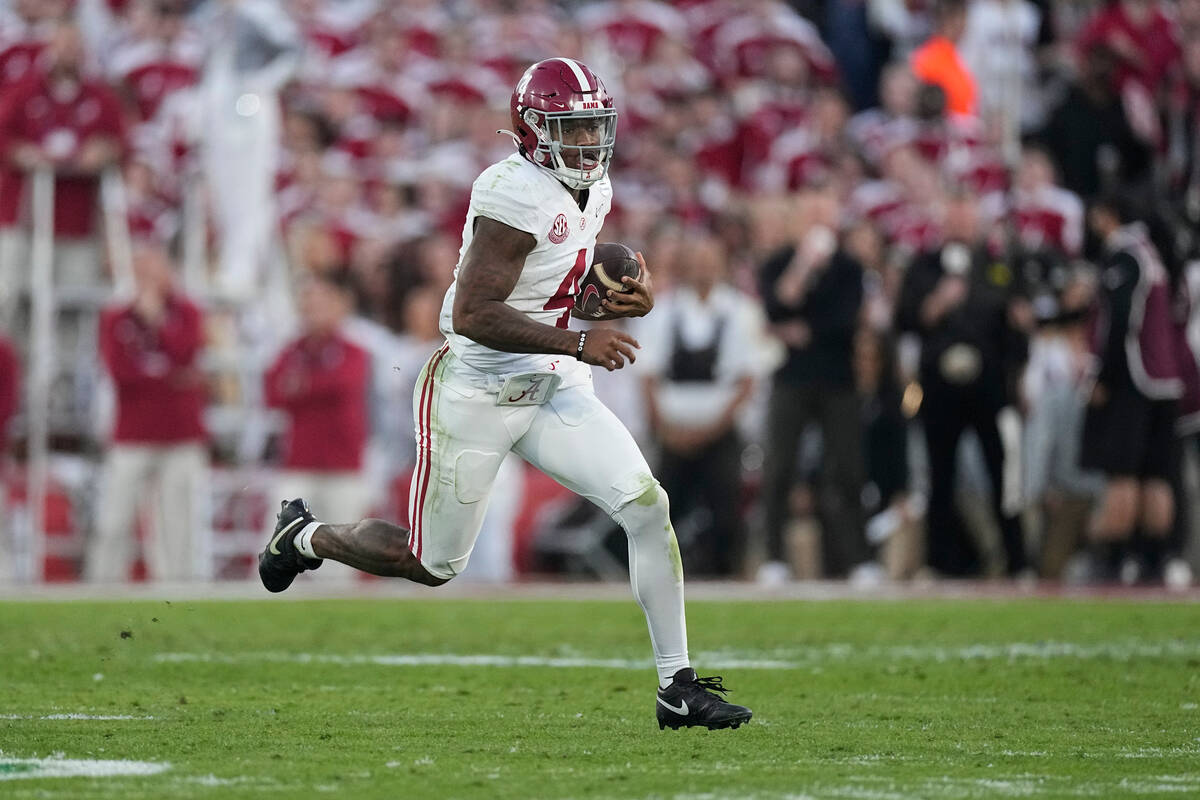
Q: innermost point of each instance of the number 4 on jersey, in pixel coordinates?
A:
(564, 296)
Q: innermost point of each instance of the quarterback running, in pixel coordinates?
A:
(512, 376)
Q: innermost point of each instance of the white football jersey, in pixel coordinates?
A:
(524, 196)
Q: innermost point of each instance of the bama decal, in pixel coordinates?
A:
(559, 230)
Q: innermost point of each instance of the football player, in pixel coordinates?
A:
(513, 376)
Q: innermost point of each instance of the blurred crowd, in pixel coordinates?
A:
(924, 269)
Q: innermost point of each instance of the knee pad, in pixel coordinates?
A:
(646, 514)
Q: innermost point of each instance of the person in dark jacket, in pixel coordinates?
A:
(971, 316)
(1089, 134)
(813, 292)
(1128, 432)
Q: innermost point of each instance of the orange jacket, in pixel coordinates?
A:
(937, 62)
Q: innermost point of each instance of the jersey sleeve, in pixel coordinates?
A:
(500, 197)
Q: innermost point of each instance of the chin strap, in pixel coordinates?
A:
(516, 139)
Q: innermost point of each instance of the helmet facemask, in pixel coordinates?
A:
(578, 166)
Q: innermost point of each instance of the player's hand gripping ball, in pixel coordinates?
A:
(610, 263)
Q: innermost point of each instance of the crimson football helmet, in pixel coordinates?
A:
(564, 121)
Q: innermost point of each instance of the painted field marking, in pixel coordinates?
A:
(103, 717)
(12, 769)
(213, 780)
(449, 659)
(784, 658)
(1022, 785)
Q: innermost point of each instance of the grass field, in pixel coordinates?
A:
(396, 698)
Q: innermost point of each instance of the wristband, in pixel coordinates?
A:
(579, 347)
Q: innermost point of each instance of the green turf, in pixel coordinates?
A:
(916, 699)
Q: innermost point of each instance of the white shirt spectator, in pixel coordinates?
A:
(681, 315)
(998, 47)
(1047, 216)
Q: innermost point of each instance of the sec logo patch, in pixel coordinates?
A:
(559, 230)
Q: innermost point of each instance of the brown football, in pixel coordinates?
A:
(610, 262)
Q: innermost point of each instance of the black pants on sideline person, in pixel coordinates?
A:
(946, 412)
(835, 410)
(710, 478)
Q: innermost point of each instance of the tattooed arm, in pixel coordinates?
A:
(486, 278)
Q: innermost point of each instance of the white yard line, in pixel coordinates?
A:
(783, 658)
(96, 717)
(243, 781)
(12, 769)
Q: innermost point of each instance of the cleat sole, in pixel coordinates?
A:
(734, 723)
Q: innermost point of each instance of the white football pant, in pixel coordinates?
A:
(462, 438)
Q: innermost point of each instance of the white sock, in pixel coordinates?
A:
(303, 540)
(656, 575)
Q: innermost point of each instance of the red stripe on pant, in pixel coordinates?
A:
(425, 454)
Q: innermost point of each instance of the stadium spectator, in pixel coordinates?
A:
(742, 46)
(813, 293)
(700, 362)
(876, 130)
(810, 154)
(939, 62)
(252, 53)
(1043, 215)
(1128, 433)
(1182, 128)
(632, 28)
(779, 103)
(1055, 387)
(157, 54)
(968, 310)
(1141, 37)
(321, 380)
(150, 214)
(1089, 134)
(158, 451)
(904, 23)
(999, 48)
(58, 119)
(10, 401)
(25, 25)
(903, 203)
(859, 51)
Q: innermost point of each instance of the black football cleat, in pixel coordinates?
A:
(281, 562)
(690, 702)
